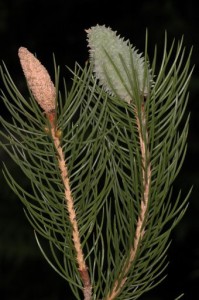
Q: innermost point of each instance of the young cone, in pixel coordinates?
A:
(121, 70)
(38, 80)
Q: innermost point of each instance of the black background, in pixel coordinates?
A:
(58, 27)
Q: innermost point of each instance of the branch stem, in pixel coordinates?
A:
(82, 267)
(140, 226)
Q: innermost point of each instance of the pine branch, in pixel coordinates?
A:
(123, 74)
(44, 93)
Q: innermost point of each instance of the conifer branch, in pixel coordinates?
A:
(43, 90)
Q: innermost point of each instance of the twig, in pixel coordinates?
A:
(140, 229)
(83, 270)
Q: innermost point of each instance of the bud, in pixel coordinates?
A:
(117, 65)
(38, 80)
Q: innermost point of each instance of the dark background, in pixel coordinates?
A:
(58, 27)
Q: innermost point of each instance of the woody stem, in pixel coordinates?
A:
(83, 270)
(140, 228)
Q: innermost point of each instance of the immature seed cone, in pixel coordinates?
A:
(38, 80)
(117, 64)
